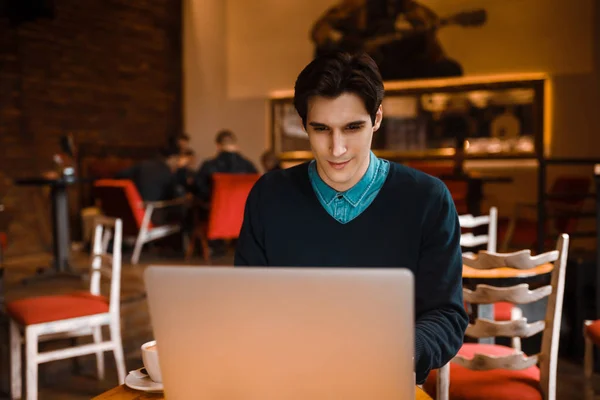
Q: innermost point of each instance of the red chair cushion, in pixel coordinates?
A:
(593, 332)
(229, 195)
(37, 310)
(498, 384)
(502, 311)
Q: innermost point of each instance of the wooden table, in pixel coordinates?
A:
(505, 273)
(125, 393)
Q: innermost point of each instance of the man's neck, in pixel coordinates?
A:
(229, 148)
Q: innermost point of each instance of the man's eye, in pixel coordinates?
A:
(354, 127)
(320, 128)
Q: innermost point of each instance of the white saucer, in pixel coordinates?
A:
(140, 381)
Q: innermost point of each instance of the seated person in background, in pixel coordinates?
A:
(349, 208)
(228, 160)
(270, 162)
(181, 141)
(155, 180)
(185, 169)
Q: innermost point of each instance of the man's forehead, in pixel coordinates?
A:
(341, 109)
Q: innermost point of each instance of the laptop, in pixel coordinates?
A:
(283, 333)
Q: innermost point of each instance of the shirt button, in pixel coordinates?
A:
(339, 196)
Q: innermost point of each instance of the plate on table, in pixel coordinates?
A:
(140, 380)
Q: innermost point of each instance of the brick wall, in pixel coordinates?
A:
(106, 71)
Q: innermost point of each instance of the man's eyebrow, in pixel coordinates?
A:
(320, 124)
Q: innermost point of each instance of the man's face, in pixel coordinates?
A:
(183, 144)
(173, 162)
(340, 134)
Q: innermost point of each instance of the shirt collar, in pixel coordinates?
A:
(356, 193)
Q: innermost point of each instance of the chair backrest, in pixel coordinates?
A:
(520, 294)
(119, 198)
(229, 195)
(468, 221)
(105, 264)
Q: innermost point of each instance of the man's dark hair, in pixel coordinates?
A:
(333, 74)
(168, 151)
(224, 136)
(173, 140)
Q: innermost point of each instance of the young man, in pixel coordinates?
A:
(348, 208)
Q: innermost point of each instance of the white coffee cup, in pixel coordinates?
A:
(150, 360)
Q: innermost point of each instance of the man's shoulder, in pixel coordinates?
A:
(276, 187)
(283, 178)
(207, 163)
(405, 178)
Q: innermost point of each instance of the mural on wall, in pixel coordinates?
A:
(400, 35)
(268, 42)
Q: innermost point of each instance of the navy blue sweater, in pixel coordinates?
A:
(412, 223)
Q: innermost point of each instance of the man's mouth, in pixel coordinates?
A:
(338, 165)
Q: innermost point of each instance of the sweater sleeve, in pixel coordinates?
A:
(250, 249)
(441, 319)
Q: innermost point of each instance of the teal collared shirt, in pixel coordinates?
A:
(345, 206)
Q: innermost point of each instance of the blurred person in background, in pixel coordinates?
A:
(156, 179)
(270, 161)
(228, 160)
(181, 141)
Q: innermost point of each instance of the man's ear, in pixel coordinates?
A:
(378, 118)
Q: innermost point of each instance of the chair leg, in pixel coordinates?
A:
(15, 361)
(205, 250)
(31, 365)
(191, 245)
(443, 383)
(139, 242)
(515, 314)
(143, 234)
(588, 358)
(97, 333)
(115, 337)
(203, 237)
(76, 366)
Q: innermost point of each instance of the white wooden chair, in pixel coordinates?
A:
(499, 372)
(38, 319)
(469, 240)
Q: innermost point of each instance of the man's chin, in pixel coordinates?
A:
(339, 178)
